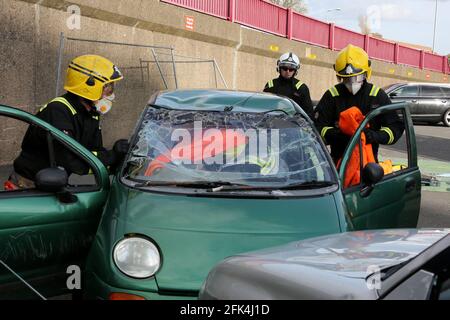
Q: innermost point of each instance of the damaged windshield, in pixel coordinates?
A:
(262, 150)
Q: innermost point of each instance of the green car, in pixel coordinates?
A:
(209, 174)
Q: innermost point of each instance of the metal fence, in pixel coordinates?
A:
(146, 69)
(268, 17)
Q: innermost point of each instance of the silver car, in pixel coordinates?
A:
(404, 264)
(429, 102)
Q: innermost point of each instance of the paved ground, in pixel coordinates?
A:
(435, 209)
(433, 147)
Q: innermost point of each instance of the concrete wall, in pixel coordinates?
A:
(29, 43)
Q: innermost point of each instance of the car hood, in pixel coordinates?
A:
(329, 267)
(350, 254)
(195, 233)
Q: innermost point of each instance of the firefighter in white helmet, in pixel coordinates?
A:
(287, 85)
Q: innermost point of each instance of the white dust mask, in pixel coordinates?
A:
(104, 105)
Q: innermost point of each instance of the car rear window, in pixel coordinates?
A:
(446, 91)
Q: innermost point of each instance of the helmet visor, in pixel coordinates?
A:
(355, 79)
(288, 64)
(350, 71)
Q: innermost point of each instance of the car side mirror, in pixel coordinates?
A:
(51, 180)
(371, 175)
(393, 94)
(55, 180)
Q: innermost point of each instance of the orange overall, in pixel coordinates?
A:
(349, 121)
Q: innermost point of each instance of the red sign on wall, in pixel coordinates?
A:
(189, 23)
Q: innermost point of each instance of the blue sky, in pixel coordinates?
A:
(409, 21)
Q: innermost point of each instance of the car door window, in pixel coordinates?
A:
(432, 91)
(12, 132)
(407, 91)
(394, 157)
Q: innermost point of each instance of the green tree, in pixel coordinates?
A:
(296, 5)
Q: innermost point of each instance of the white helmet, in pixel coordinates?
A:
(289, 59)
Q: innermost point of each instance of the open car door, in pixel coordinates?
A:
(43, 231)
(394, 201)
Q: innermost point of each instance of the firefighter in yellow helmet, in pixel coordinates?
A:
(90, 92)
(353, 70)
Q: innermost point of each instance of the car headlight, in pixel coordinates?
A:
(137, 257)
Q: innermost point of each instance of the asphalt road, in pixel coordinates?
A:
(433, 142)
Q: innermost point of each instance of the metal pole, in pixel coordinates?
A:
(220, 73)
(174, 70)
(159, 67)
(142, 71)
(119, 43)
(435, 22)
(60, 54)
(215, 75)
(22, 280)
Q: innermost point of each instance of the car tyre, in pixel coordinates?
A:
(446, 118)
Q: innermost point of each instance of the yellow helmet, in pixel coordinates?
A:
(352, 61)
(86, 76)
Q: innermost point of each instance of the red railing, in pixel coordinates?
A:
(310, 30)
(218, 8)
(343, 37)
(381, 50)
(433, 62)
(409, 56)
(262, 15)
(268, 17)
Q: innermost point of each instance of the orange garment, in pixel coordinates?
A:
(349, 121)
(213, 143)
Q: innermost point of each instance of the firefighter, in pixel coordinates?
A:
(90, 92)
(353, 70)
(289, 86)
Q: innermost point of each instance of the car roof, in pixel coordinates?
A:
(419, 84)
(216, 100)
(344, 260)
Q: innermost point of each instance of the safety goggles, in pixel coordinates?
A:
(355, 79)
(287, 69)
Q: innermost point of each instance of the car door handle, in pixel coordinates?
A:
(444, 101)
(410, 186)
(414, 101)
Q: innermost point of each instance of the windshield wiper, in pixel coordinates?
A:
(308, 185)
(188, 184)
(218, 186)
(295, 186)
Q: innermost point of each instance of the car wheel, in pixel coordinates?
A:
(446, 118)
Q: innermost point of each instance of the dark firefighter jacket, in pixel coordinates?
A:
(386, 129)
(293, 89)
(70, 116)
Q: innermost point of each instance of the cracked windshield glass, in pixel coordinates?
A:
(267, 150)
